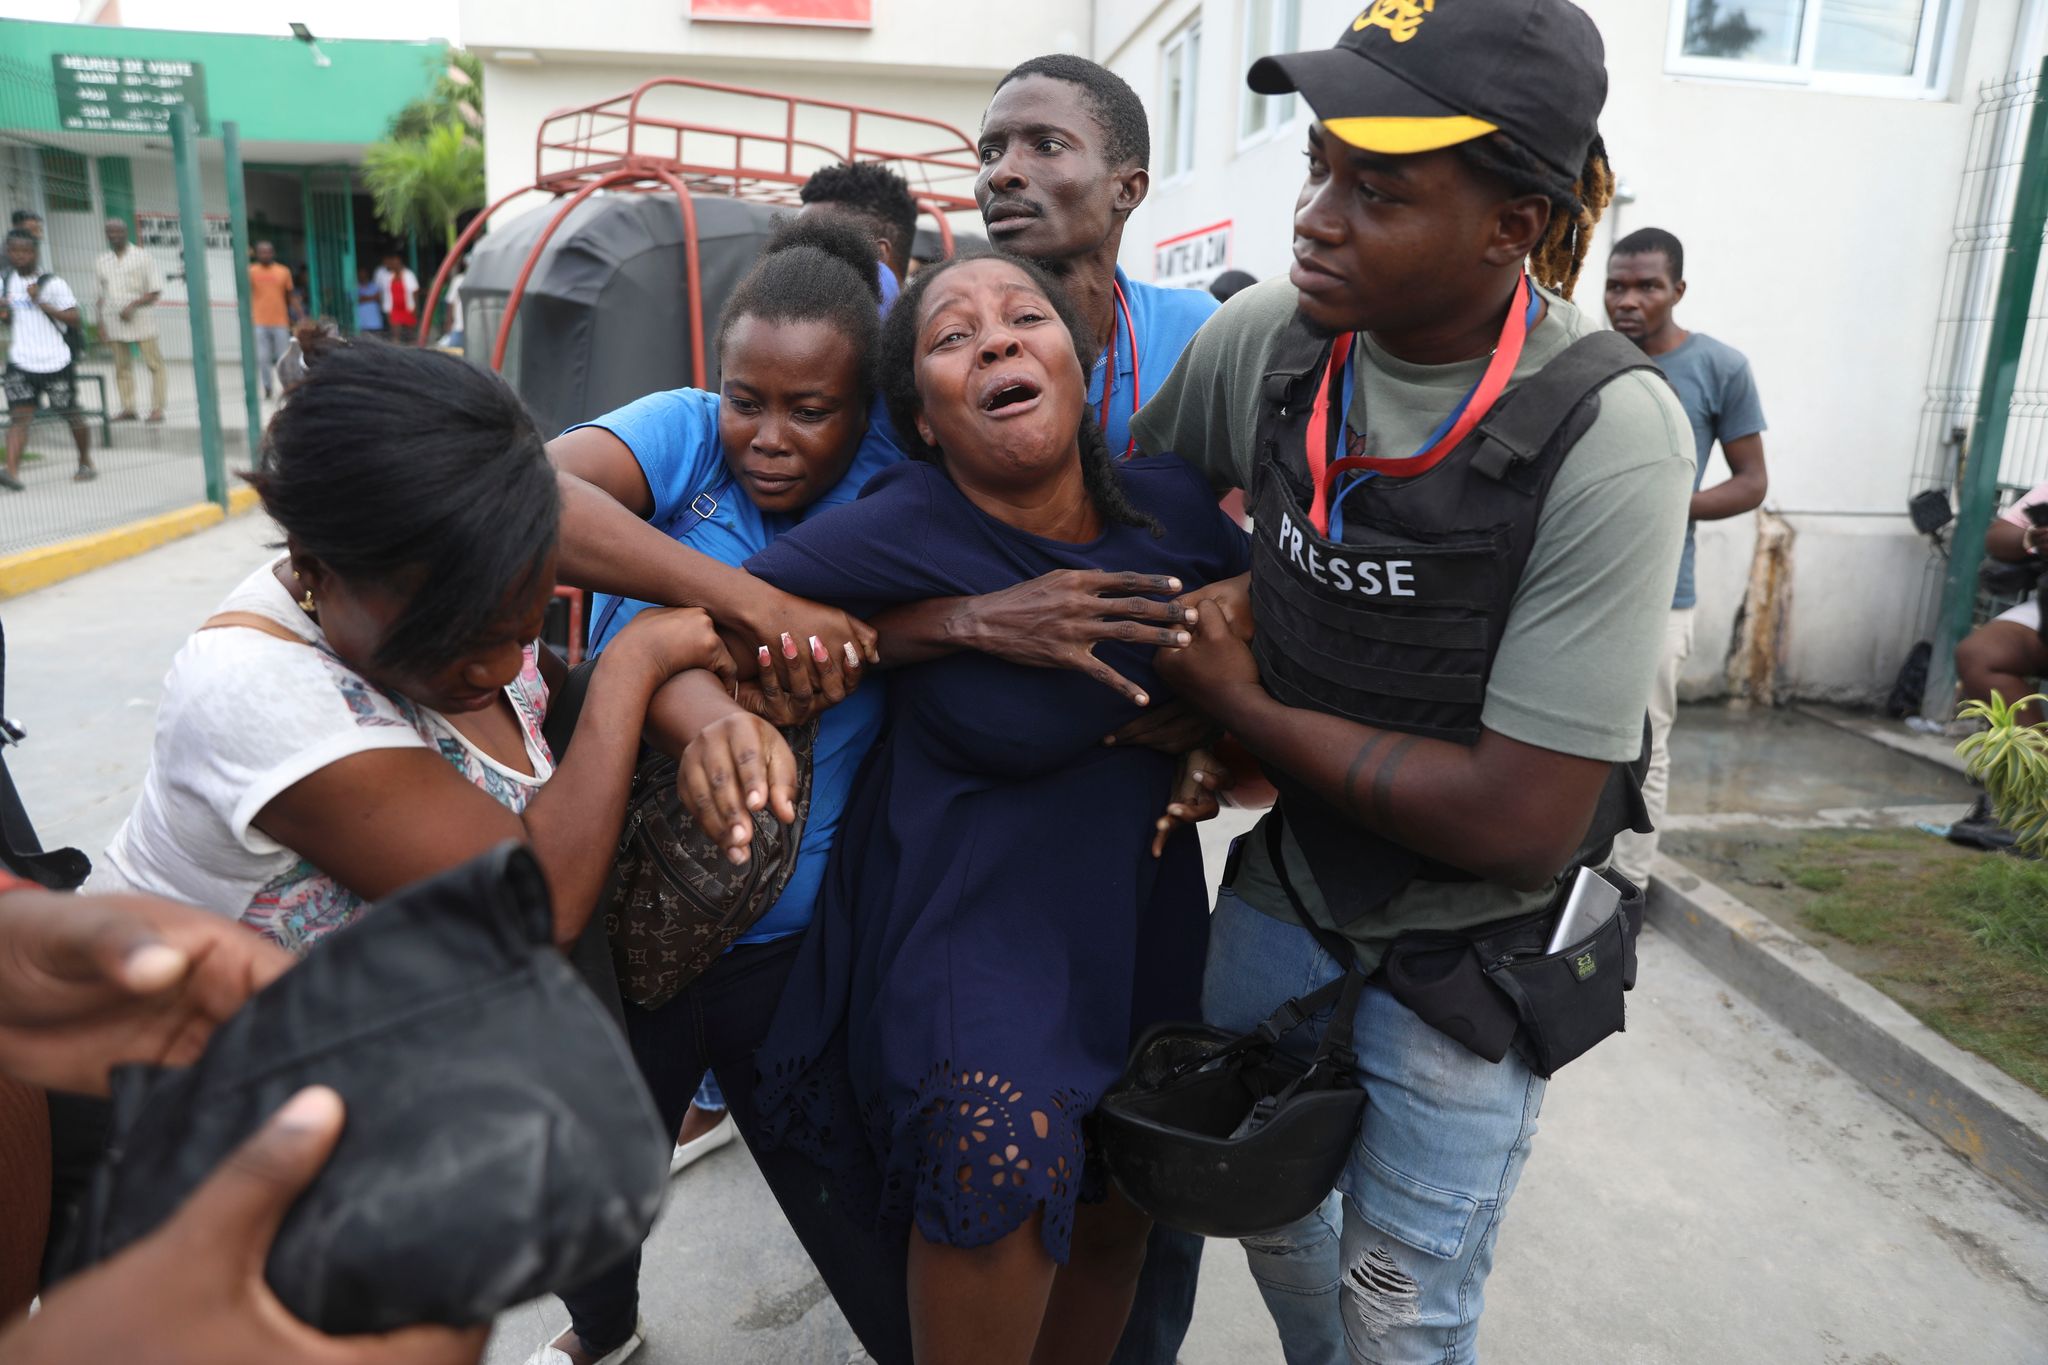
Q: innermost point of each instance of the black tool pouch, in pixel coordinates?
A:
(1564, 1002)
(1493, 987)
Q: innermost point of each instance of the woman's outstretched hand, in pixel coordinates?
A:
(738, 764)
(1055, 621)
(1194, 798)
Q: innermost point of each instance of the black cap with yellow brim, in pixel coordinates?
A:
(1410, 76)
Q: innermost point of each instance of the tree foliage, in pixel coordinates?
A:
(429, 168)
(424, 183)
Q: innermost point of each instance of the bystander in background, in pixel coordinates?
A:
(2007, 655)
(1645, 281)
(42, 314)
(398, 292)
(130, 285)
(270, 289)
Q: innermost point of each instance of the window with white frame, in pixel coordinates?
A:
(1866, 46)
(1270, 26)
(1181, 54)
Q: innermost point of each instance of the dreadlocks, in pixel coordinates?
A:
(1575, 208)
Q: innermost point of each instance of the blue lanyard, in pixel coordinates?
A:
(1443, 427)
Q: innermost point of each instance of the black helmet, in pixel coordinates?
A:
(1231, 1137)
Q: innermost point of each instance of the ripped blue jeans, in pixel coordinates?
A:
(1391, 1270)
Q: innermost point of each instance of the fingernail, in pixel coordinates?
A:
(1144, 700)
(1192, 616)
(1173, 585)
(852, 655)
(788, 646)
(818, 650)
(766, 660)
(153, 966)
(1109, 739)
(313, 1107)
(1182, 637)
(736, 856)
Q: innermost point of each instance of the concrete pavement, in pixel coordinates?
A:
(1704, 1189)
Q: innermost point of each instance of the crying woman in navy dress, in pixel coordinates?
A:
(994, 930)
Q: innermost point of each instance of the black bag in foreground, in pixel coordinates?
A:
(499, 1142)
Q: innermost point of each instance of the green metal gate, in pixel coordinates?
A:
(331, 246)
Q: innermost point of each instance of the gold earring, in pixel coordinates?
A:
(306, 602)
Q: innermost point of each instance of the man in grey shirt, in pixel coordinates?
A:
(1645, 281)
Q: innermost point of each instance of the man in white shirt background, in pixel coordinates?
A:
(38, 309)
(2007, 654)
(130, 285)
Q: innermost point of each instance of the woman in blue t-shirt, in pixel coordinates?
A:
(664, 499)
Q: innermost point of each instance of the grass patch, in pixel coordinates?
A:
(1959, 938)
(1816, 878)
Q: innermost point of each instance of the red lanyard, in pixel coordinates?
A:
(1109, 372)
(1323, 474)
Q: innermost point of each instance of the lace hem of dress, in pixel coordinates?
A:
(967, 1161)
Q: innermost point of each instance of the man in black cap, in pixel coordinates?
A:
(1462, 495)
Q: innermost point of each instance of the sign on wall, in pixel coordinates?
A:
(162, 235)
(1192, 259)
(817, 13)
(125, 94)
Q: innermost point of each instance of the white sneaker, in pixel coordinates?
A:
(551, 1354)
(699, 1147)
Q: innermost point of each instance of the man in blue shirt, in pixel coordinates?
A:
(879, 200)
(1645, 281)
(1064, 150)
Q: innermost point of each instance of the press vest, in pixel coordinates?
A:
(1397, 625)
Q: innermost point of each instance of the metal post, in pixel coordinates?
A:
(313, 308)
(238, 227)
(199, 301)
(1978, 496)
(345, 313)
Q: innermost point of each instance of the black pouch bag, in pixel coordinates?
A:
(499, 1142)
(1494, 987)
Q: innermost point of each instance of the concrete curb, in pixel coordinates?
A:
(1989, 1119)
(27, 570)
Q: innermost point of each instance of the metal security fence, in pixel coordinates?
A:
(1984, 427)
(146, 407)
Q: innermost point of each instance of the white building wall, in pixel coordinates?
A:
(1817, 228)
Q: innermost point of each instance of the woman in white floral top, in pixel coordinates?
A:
(365, 709)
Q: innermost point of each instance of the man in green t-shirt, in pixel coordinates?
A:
(1456, 148)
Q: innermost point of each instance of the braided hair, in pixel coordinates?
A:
(1575, 208)
(896, 376)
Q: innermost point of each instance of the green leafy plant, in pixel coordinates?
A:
(2009, 759)
(425, 183)
(429, 168)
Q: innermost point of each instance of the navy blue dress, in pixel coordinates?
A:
(994, 931)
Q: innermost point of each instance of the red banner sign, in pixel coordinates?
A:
(817, 13)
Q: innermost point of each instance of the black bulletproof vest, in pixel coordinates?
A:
(1396, 626)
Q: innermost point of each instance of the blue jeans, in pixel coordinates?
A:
(1391, 1270)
